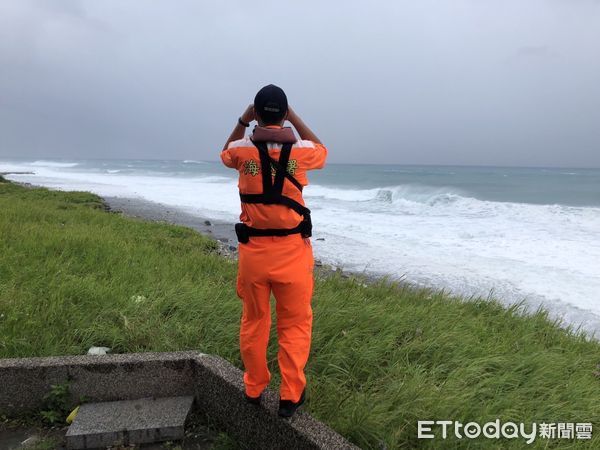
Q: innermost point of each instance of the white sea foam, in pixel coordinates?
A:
(212, 196)
(542, 253)
(545, 254)
(193, 161)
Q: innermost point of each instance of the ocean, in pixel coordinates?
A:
(517, 234)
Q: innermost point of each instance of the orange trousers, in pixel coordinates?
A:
(284, 265)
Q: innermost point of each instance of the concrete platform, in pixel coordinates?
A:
(146, 420)
(215, 384)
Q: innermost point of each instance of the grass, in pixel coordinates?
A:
(383, 356)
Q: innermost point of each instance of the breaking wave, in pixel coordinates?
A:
(42, 163)
(427, 195)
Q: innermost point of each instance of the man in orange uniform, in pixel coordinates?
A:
(275, 252)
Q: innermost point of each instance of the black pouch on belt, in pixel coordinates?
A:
(306, 227)
(242, 233)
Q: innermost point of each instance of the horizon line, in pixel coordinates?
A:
(507, 166)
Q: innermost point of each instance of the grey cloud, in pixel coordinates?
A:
(539, 51)
(451, 82)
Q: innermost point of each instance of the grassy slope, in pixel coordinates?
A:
(383, 356)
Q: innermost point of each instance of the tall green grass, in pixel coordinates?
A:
(383, 355)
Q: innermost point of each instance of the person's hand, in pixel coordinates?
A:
(248, 115)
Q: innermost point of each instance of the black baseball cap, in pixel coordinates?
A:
(271, 104)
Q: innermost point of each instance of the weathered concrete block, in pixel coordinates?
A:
(146, 420)
(214, 382)
(25, 381)
(220, 393)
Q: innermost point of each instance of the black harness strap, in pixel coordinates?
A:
(274, 231)
(272, 194)
(265, 169)
(272, 200)
(280, 172)
(280, 165)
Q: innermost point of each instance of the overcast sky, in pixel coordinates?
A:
(495, 82)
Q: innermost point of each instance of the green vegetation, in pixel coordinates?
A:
(56, 404)
(383, 355)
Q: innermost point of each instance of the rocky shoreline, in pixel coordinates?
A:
(222, 232)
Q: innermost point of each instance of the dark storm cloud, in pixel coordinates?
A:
(437, 82)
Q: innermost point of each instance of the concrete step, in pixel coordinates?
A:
(145, 420)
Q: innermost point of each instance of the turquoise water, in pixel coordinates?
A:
(544, 186)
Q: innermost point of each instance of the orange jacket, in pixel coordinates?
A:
(243, 156)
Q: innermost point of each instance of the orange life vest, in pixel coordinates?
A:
(272, 194)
